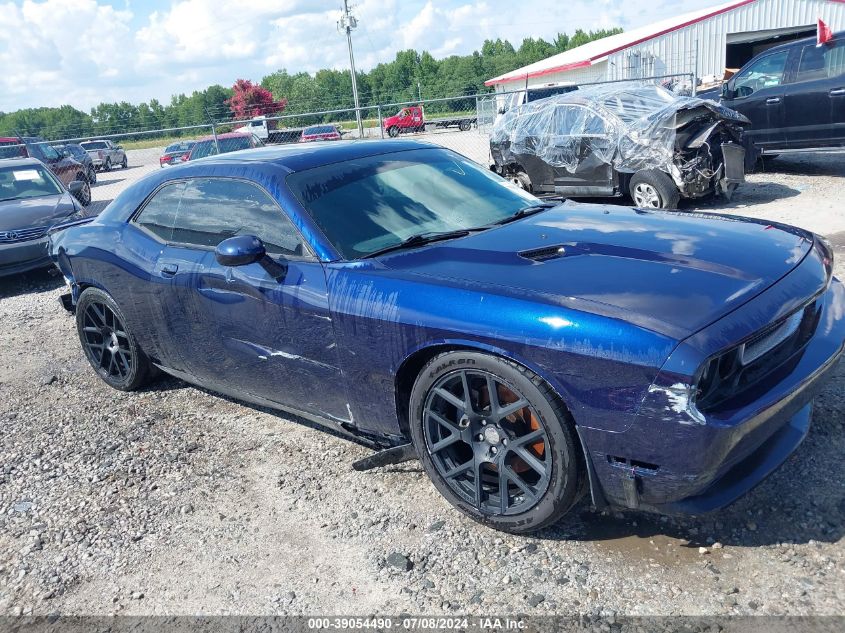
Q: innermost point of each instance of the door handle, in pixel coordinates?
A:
(837, 92)
(772, 100)
(168, 270)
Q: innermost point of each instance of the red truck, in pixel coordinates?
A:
(412, 119)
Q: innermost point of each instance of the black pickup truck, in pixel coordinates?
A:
(794, 95)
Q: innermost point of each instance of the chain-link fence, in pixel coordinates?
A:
(107, 163)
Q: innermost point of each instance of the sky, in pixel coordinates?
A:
(84, 52)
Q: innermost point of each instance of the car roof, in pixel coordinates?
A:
(226, 135)
(301, 156)
(798, 43)
(20, 162)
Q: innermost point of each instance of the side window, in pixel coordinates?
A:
(159, 215)
(215, 209)
(595, 125)
(764, 73)
(821, 62)
(569, 120)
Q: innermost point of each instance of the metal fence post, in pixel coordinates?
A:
(213, 130)
(380, 124)
(695, 72)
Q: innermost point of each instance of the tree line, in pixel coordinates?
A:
(411, 76)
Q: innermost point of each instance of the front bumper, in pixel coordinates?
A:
(21, 257)
(669, 463)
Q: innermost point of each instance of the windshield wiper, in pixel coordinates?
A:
(419, 239)
(525, 212)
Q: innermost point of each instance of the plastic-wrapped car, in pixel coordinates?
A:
(614, 139)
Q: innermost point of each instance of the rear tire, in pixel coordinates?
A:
(510, 462)
(654, 189)
(91, 175)
(107, 165)
(109, 345)
(464, 126)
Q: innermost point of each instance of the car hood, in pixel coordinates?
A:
(35, 212)
(670, 272)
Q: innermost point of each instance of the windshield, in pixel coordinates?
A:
(184, 146)
(12, 149)
(368, 204)
(94, 145)
(26, 181)
(227, 144)
(320, 129)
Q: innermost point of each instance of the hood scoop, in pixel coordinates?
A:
(545, 253)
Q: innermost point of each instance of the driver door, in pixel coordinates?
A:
(757, 91)
(584, 148)
(240, 329)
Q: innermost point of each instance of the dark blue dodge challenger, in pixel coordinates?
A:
(528, 351)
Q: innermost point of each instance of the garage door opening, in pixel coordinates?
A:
(743, 47)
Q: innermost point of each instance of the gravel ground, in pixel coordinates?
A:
(177, 501)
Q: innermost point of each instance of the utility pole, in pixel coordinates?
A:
(348, 22)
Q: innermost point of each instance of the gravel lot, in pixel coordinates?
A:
(178, 501)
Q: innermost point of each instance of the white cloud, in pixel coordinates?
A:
(84, 52)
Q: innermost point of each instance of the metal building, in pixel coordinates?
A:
(702, 44)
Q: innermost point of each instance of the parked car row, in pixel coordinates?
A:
(63, 165)
(43, 185)
(184, 151)
(32, 200)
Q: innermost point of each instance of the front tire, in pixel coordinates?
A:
(124, 163)
(521, 180)
(91, 175)
(495, 441)
(108, 343)
(393, 131)
(654, 189)
(464, 126)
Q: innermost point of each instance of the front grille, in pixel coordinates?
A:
(763, 359)
(22, 235)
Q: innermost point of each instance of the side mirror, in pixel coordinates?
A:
(120, 147)
(727, 92)
(240, 250)
(75, 187)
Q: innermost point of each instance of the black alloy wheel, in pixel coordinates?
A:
(495, 441)
(108, 344)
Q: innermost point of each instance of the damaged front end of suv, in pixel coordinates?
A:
(614, 139)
